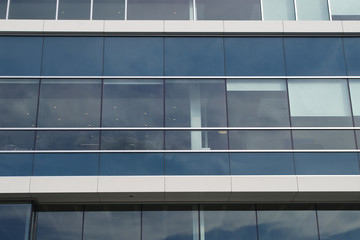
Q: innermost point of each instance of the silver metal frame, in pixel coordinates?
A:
(7, 10)
(296, 11)
(57, 10)
(329, 9)
(180, 77)
(171, 128)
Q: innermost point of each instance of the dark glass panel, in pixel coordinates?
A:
(74, 9)
(258, 56)
(229, 222)
(195, 103)
(110, 224)
(194, 56)
(17, 140)
(69, 103)
(257, 103)
(256, 140)
(16, 164)
(314, 56)
(134, 56)
(15, 221)
(326, 163)
(261, 163)
(76, 56)
(132, 140)
(352, 55)
(67, 140)
(133, 103)
(131, 164)
(160, 10)
(196, 164)
(196, 140)
(3, 8)
(170, 222)
(18, 102)
(32, 9)
(283, 222)
(228, 10)
(20, 56)
(66, 164)
(323, 139)
(109, 10)
(59, 225)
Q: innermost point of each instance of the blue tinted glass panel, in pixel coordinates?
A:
(3, 6)
(16, 164)
(20, 56)
(66, 164)
(18, 102)
(67, 140)
(260, 56)
(131, 164)
(74, 9)
(315, 56)
(326, 163)
(32, 9)
(345, 9)
(15, 221)
(134, 56)
(352, 55)
(261, 163)
(194, 56)
(196, 164)
(109, 10)
(77, 56)
(17, 140)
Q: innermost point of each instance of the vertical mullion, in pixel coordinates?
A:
(91, 9)
(296, 12)
(126, 9)
(262, 10)
(194, 10)
(329, 10)
(7, 10)
(57, 10)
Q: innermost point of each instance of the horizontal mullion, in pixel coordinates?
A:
(179, 77)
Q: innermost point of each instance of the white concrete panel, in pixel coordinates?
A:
(194, 26)
(73, 26)
(63, 184)
(265, 184)
(312, 27)
(351, 26)
(134, 26)
(19, 185)
(197, 184)
(253, 27)
(131, 184)
(328, 183)
(21, 25)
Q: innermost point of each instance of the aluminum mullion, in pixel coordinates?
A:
(57, 10)
(329, 10)
(91, 9)
(180, 77)
(126, 10)
(262, 10)
(194, 10)
(296, 11)
(7, 10)
(172, 128)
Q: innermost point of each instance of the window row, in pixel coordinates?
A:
(179, 56)
(179, 103)
(140, 164)
(180, 9)
(185, 222)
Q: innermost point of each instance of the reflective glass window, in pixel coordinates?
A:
(20, 56)
(3, 8)
(278, 9)
(323, 139)
(355, 99)
(314, 56)
(63, 223)
(69, 103)
(319, 102)
(196, 164)
(261, 163)
(195, 103)
(18, 102)
(74, 9)
(326, 163)
(196, 140)
(258, 139)
(32, 9)
(109, 10)
(66, 164)
(352, 55)
(257, 103)
(254, 56)
(16, 140)
(287, 222)
(132, 164)
(312, 9)
(133, 103)
(228, 222)
(160, 10)
(194, 56)
(67, 140)
(15, 221)
(345, 9)
(132, 140)
(16, 164)
(77, 56)
(134, 56)
(163, 222)
(228, 10)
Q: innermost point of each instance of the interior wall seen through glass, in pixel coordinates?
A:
(312, 9)
(32, 9)
(74, 9)
(278, 9)
(108, 10)
(3, 8)
(345, 9)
